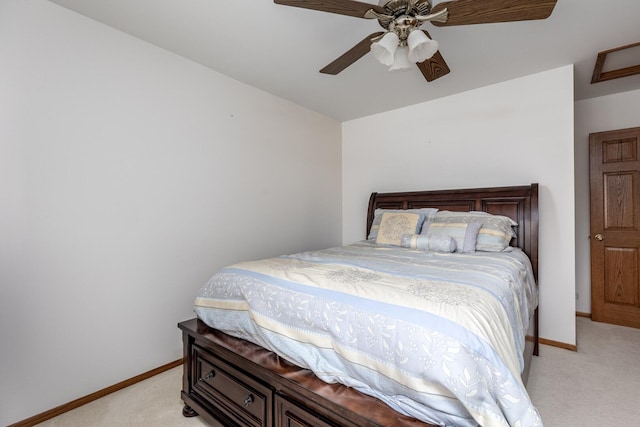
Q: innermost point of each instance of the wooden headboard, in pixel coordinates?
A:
(519, 203)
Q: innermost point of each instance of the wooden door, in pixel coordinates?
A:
(615, 226)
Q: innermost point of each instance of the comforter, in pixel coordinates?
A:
(436, 336)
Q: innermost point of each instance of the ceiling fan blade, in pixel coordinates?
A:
(351, 56)
(341, 7)
(434, 67)
(465, 12)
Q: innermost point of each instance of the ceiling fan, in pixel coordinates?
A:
(403, 43)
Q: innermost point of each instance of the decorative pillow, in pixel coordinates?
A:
(494, 235)
(426, 243)
(428, 213)
(464, 233)
(395, 224)
(425, 226)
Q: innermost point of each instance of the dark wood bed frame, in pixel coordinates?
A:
(232, 382)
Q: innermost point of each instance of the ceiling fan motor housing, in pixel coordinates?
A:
(396, 8)
(403, 26)
(401, 15)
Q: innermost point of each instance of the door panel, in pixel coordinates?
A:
(615, 226)
(619, 201)
(621, 276)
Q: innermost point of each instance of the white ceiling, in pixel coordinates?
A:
(280, 49)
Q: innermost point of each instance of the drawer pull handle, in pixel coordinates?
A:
(248, 400)
(209, 375)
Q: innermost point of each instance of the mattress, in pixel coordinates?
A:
(436, 336)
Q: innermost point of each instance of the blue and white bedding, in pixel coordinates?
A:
(437, 336)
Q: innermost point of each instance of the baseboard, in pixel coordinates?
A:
(47, 415)
(558, 344)
(562, 344)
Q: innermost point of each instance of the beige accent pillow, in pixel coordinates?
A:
(394, 225)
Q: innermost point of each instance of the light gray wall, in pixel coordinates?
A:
(128, 176)
(594, 115)
(513, 133)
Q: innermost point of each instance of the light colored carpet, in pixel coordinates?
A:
(596, 386)
(151, 403)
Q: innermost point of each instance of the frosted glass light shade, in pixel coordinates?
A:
(384, 49)
(421, 47)
(401, 60)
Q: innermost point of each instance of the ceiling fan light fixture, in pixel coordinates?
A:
(385, 49)
(401, 60)
(400, 18)
(421, 47)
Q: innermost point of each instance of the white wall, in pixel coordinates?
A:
(128, 175)
(513, 133)
(594, 115)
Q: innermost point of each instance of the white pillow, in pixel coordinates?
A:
(426, 243)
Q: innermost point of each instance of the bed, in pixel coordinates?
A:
(444, 337)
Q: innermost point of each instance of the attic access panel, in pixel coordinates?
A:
(599, 75)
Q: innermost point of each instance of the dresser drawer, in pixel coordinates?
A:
(244, 400)
(290, 414)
